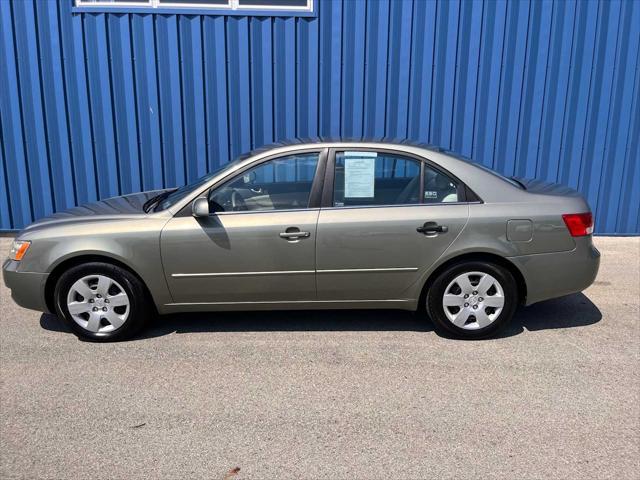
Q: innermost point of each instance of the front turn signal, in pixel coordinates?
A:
(18, 249)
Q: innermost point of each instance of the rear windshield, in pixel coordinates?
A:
(512, 181)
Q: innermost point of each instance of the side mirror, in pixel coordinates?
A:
(200, 207)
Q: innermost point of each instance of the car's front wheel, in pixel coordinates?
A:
(472, 299)
(101, 302)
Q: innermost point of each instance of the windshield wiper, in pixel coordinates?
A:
(156, 199)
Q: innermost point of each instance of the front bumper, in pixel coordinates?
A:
(552, 275)
(27, 288)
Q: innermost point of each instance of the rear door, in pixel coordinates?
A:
(386, 218)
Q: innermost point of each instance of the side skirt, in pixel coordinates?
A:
(402, 304)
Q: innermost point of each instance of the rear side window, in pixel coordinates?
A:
(372, 178)
(439, 187)
(365, 178)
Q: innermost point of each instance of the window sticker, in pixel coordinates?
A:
(430, 194)
(359, 174)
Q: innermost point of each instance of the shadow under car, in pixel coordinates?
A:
(567, 312)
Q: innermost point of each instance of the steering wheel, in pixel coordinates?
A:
(237, 201)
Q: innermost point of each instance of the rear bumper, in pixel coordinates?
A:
(27, 288)
(551, 275)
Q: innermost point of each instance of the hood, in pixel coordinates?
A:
(125, 206)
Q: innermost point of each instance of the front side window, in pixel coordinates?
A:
(365, 178)
(280, 184)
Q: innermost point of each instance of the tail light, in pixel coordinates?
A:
(579, 224)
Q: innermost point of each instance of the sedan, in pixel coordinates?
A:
(321, 225)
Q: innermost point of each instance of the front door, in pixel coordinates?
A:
(390, 219)
(257, 247)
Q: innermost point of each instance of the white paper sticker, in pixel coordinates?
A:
(430, 194)
(359, 174)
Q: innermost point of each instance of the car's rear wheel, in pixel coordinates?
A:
(472, 299)
(101, 302)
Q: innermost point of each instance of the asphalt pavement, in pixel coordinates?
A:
(357, 395)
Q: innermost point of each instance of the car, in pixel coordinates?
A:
(313, 225)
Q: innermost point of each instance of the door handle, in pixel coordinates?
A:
(294, 235)
(432, 228)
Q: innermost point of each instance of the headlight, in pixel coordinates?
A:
(18, 249)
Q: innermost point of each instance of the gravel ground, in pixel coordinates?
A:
(332, 394)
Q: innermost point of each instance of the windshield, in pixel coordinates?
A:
(178, 194)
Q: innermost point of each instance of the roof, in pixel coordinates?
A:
(313, 140)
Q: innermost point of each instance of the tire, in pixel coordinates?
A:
(491, 289)
(115, 305)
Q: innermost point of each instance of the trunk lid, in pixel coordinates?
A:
(543, 187)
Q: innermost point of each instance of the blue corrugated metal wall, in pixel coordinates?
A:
(94, 105)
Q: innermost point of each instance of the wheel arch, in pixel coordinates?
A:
(76, 260)
(477, 256)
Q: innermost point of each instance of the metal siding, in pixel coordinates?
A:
(423, 35)
(14, 155)
(77, 106)
(331, 62)
(628, 214)
(5, 207)
(147, 101)
(99, 104)
(307, 88)
(123, 99)
(33, 122)
(169, 86)
(375, 67)
(554, 120)
(353, 48)
(284, 78)
(622, 100)
(215, 91)
(239, 85)
(53, 93)
(467, 77)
